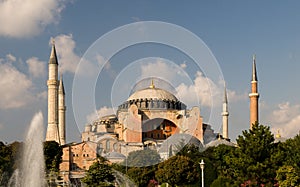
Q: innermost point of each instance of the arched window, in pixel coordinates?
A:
(107, 145)
(115, 147)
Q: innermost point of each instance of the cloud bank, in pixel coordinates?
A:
(103, 111)
(16, 87)
(25, 18)
(286, 119)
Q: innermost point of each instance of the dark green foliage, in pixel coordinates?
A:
(289, 172)
(189, 150)
(141, 158)
(292, 150)
(288, 176)
(251, 161)
(53, 155)
(141, 175)
(192, 151)
(6, 163)
(99, 174)
(218, 156)
(222, 182)
(177, 170)
(16, 150)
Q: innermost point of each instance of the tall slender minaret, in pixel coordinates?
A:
(225, 114)
(254, 95)
(61, 112)
(52, 129)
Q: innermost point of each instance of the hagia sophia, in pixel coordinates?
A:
(149, 118)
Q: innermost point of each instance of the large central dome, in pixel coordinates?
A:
(152, 93)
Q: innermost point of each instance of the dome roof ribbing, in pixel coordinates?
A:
(152, 93)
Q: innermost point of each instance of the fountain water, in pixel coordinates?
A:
(31, 172)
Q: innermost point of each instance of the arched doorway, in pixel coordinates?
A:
(158, 129)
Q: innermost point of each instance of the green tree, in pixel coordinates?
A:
(222, 181)
(53, 155)
(216, 168)
(177, 170)
(6, 163)
(141, 158)
(292, 147)
(287, 176)
(189, 150)
(218, 156)
(16, 150)
(251, 161)
(141, 175)
(213, 158)
(99, 174)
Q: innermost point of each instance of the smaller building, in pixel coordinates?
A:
(76, 159)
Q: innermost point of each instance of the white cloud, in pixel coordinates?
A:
(206, 92)
(106, 66)
(11, 58)
(286, 119)
(159, 68)
(68, 60)
(24, 18)
(42, 95)
(201, 90)
(17, 89)
(104, 111)
(14, 87)
(36, 67)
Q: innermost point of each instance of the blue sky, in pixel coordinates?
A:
(232, 30)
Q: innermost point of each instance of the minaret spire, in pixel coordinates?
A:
(61, 112)
(254, 75)
(254, 95)
(52, 83)
(225, 114)
(53, 56)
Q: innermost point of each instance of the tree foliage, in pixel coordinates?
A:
(251, 162)
(287, 176)
(141, 175)
(99, 174)
(53, 155)
(140, 158)
(177, 170)
(6, 163)
(292, 147)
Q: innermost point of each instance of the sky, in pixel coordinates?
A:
(99, 75)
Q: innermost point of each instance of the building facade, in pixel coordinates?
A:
(146, 119)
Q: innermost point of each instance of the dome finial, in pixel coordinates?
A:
(278, 135)
(152, 84)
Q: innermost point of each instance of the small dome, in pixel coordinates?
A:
(218, 142)
(152, 93)
(177, 139)
(115, 155)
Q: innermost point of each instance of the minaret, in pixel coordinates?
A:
(254, 95)
(52, 129)
(61, 112)
(225, 115)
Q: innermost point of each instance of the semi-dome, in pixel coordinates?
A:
(152, 93)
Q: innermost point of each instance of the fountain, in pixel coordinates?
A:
(31, 172)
